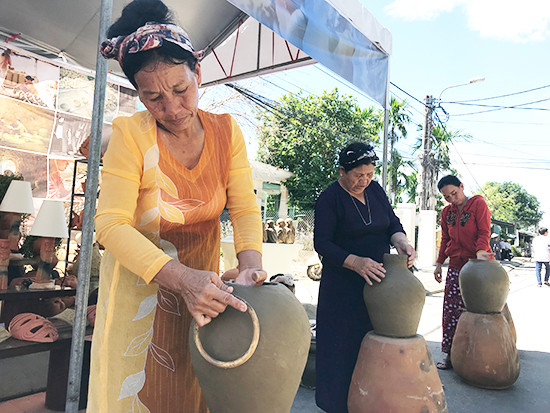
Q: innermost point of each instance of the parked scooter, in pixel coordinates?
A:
(314, 267)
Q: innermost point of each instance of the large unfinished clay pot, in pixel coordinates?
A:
(508, 317)
(252, 362)
(484, 286)
(395, 304)
(395, 375)
(484, 352)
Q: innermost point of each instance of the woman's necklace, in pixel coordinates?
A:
(359, 212)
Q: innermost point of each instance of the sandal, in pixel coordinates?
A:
(444, 365)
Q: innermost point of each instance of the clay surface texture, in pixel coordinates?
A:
(268, 381)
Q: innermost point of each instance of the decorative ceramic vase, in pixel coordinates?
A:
(395, 304)
(395, 375)
(484, 352)
(484, 285)
(252, 362)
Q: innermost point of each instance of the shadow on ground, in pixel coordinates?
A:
(530, 393)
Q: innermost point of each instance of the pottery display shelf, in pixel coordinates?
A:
(395, 371)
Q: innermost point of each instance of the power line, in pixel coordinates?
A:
(408, 94)
(458, 153)
(505, 107)
(500, 96)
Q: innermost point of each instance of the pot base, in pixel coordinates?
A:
(395, 375)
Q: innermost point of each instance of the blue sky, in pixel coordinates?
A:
(446, 42)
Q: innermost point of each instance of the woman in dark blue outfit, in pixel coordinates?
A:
(354, 227)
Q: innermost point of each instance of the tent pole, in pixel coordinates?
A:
(92, 179)
(385, 137)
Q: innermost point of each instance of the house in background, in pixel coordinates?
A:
(269, 186)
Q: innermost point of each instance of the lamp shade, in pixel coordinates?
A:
(18, 198)
(50, 220)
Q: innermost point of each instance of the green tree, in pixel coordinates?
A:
(304, 135)
(402, 178)
(509, 201)
(399, 118)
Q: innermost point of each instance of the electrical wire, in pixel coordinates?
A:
(500, 96)
(408, 94)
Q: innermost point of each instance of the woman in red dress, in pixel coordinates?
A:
(465, 233)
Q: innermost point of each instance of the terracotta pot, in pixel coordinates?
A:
(252, 362)
(508, 317)
(484, 285)
(395, 304)
(308, 376)
(484, 352)
(395, 375)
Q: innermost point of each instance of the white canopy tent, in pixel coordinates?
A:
(241, 38)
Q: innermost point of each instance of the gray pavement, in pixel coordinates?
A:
(529, 305)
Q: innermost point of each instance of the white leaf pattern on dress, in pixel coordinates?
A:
(165, 183)
(169, 249)
(162, 357)
(139, 344)
(148, 216)
(147, 123)
(132, 385)
(138, 406)
(151, 158)
(146, 307)
(169, 302)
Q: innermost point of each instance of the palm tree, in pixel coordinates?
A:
(402, 177)
(399, 117)
(442, 140)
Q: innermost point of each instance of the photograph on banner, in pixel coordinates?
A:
(25, 126)
(128, 103)
(60, 178)
(76, 95)
(70, 131)
(32, 166)
(26, 78)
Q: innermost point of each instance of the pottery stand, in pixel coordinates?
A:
(484, 352)
(395, 375)
(395, 371)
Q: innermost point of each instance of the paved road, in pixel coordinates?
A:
(530, 308)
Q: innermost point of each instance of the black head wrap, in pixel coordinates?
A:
(356, 154)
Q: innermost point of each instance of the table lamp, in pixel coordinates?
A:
(16, 201)
(49, 224)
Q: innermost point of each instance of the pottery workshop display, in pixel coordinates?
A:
(253, 361)
(484, 352)
(395, 371)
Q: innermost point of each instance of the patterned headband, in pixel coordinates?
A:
(354, 156)
(147, 37)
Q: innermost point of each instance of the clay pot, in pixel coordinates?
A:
(395, 375)
(395, 304)
(484, 285)
(508, 316)
(308, 376)
(484, 352)
(252, 362)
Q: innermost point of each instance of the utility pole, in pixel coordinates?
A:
(427, 193)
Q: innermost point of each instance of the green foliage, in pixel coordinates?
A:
(510, 202)
(306, 133)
